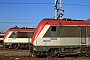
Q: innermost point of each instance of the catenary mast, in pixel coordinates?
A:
(58, 12)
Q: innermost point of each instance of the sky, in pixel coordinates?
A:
(20, 13)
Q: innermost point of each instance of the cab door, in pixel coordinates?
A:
(83, 35)
(53, 33)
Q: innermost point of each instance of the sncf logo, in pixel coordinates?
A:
(46, 40)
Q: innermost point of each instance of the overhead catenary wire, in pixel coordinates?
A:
(19, 19)
(47, 3)
(75, 4)
(19, 22)
(24, 3)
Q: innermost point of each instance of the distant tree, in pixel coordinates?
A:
(2, 32)
(88, 19)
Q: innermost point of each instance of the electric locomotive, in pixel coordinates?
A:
(54, 37)
(18, 37)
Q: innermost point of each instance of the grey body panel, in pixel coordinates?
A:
(64, 36)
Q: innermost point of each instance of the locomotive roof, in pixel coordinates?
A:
(21, 29)
(64, 19)
(65, 22)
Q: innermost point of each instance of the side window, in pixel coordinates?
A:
(53, 28)
(69, 31)
(22, 34)
(31, 34)
(13, 35)
(53, 31)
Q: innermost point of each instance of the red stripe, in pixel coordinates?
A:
(38, 30)
(57, 22)
(7, 32)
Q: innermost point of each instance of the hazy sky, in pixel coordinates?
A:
(22, 14)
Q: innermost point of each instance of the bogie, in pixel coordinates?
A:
(58, 52)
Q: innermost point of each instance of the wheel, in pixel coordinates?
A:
(10, 46)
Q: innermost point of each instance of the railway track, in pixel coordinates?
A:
(22, 53)
(3, 48)
(6, 49)
(12, 54)
(29, 58)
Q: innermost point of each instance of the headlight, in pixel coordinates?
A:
(34, 48)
